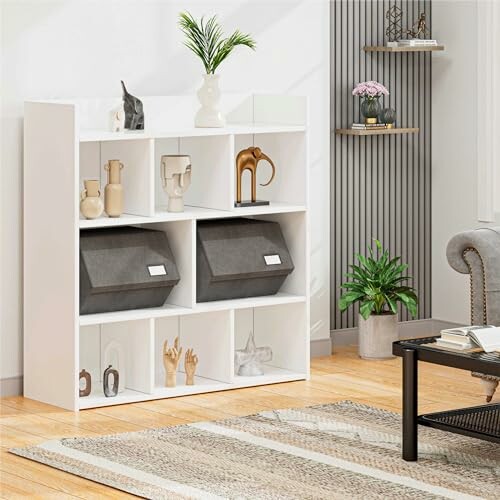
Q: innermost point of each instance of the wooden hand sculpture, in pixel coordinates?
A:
(171, 358)
(190, 363)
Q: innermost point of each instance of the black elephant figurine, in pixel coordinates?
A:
(134, 112)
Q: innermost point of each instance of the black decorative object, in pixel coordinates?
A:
(88, 383)
(125, 268)
(134, 112)
(110, 392)
(239, 258)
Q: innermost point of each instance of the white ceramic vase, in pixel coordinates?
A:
(209, 114)
(376, 335)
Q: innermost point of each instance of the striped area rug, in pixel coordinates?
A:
(336, 451)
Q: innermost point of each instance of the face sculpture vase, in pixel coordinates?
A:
(134, 112)
(175, 173)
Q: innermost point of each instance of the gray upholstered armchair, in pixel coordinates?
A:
(477, 253)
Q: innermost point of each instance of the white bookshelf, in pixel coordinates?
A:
(67, 142)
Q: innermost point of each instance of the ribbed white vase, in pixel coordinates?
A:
(209, 114)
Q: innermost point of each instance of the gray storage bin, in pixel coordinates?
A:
(124, 268)
(239, 258)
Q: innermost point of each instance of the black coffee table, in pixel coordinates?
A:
(481, 422)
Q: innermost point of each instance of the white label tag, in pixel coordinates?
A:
(272, 260)
(157, 270)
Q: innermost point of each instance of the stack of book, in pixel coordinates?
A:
(417, 42)
(368, 126)
(487, 337)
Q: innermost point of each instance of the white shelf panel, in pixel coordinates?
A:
(231, 129)
(251, 302)
(133, 314)
(190, 213)
(272, 375)
(172, 310)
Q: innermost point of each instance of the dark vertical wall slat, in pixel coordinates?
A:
(380, 185)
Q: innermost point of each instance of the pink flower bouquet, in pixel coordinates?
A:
(370, 90)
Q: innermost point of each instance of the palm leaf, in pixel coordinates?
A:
(205, 39)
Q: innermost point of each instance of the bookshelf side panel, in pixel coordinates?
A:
(50, 254)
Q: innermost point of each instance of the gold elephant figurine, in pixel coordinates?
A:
(248, 159)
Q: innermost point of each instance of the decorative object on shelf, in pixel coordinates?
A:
(114, 354)
(370, 92)
(117, 119)
(394, 30)
(110, 391)
(248, 159)
(113, 192)
(378, 285)
(239, 258)
(190, 363)
(134, 110)
(124, 268)
(419, 28)
(171, 358)
(247, 362)
(387, 117)
(91, 205)
(206, 40)
(175, 171)
(87, 379)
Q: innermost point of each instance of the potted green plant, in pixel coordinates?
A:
(377, 283)
(206, 40)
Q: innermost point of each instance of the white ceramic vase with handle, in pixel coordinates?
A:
(209, 114)
(376, 335)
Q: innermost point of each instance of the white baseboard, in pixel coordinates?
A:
(12, 386)
(407, 330)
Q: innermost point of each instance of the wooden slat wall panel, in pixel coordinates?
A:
(381, 185)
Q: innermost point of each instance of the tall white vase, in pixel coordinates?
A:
(376, 335)
(209, 114)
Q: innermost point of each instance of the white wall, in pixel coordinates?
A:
(454, 132)
(71, 48)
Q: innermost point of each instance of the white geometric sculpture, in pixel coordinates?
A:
(247, 362)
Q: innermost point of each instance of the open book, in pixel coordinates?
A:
(486, 336)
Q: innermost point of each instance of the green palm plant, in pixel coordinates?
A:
(377, 283)
(206, 40)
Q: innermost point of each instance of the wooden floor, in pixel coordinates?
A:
(334, 378)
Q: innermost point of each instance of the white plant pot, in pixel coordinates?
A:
(209, 114)
(376, 335)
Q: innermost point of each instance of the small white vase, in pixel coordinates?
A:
(209, 114)
(376, 335)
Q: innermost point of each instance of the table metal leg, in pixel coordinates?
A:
(410, 405)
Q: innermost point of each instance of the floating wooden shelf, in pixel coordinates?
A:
(384, 131)
(383, 48)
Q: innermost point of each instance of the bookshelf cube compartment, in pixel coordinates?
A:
(211, 180)
(281, 327)
(210, 337)
(288, 153)
(128, 347)
(136, 176)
